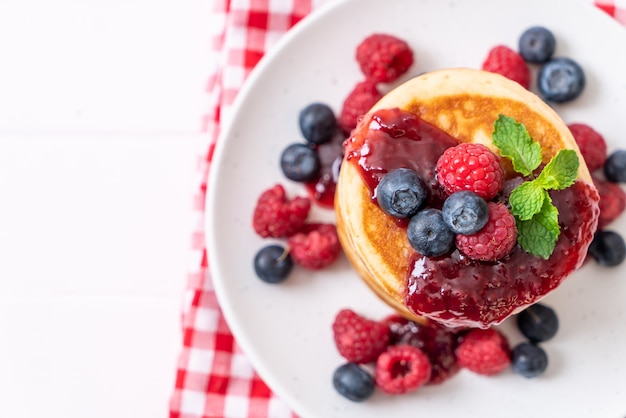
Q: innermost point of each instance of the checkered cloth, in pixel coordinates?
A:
(214, 378)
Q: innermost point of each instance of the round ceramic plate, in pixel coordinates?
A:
(286, 329)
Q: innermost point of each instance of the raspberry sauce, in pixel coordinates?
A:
(322, 188)
(436, 341)
(452, 287)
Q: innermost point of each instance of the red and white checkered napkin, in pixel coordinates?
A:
(214, 378)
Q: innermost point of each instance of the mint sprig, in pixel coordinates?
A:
(515, 142)
(536, 216)
(538, 235)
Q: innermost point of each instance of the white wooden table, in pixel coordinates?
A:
(100, 125)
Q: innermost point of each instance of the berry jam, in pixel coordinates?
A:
(452, 287)
(322, 189)
(436, 341)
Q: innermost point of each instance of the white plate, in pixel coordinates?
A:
(285, 329)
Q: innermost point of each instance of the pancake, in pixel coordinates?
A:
(464, 103)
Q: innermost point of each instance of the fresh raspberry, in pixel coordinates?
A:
(591, 144)
(359, 101)
(484, 351)
(472, 167)
(495, 240)
(612, 201)
(277, 217)
(359, 339)
(504, 61)
(384, 58)
(315, 246)
(401, 369)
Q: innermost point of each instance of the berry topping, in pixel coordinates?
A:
(484, 351)
(273, 264)
(402, 369)
(561, 80)
(359, 339)
(537, 44)
(538, 322)
(615, 167)
(401, 193)
(300, 163)
(465, 212)
(495, 240)
(504, 61)
(472, 167)
(358, 102)
(428, 234)
(608, 248)
(612, 201)
(322, 189)
(353, 382)
(529, 360)
(315, 246)
(277, 217)
(591, 144)
(317, 123)
(436, 341)
(384, 58)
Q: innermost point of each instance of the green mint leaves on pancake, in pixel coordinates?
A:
(535, 214)
(538, 235)
(515, 142)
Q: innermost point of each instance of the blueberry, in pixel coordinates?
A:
(561, 80)
(318, 123)
(300, 163)
(428, 233)
(537, 44)
(465, 212)
(615, 167)
(401, 193)
(538, 322)
(608, 248)
(353, 382)
(529, 360)
(273, 264)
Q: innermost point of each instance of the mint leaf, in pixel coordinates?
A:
(539, 234)
(561, 171)
(527, 200)
(515, 142)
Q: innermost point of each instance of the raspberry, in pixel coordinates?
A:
(591, 144)
(277, 217)
(384, 58)
(402, 368)
(612, 201)
(504, 61)
(495, 240)
(484, 351)
(358, 339)
(359, 101)
(315, 246)
(472, 167)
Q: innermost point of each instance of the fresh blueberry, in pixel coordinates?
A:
(273, 264)
(538, 322)
(465, 212)
(300, 162)
(615, 167)
(608, 248)
(428, 233)
(529, 360)
(537, 44)
(401, 193)
(353, 382)
(561, 80)
(318, 123)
